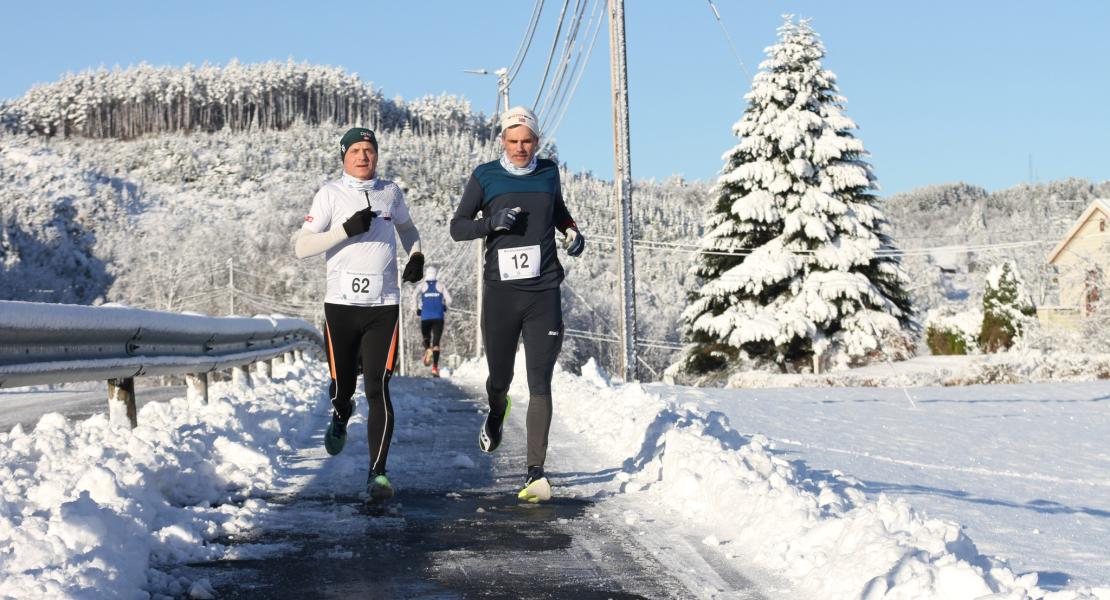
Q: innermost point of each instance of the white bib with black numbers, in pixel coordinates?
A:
(519, 263)
(360, 288)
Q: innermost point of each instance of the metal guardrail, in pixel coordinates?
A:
(57, 343)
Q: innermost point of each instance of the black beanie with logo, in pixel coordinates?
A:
(355, 135)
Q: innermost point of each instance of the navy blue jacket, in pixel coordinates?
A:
(539, 194)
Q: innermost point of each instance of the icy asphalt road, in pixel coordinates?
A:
(455, 528)
(24, 406)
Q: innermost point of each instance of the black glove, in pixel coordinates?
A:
(503, 219)
(418, 312)
(359, 222)
(575, 242)
(414, 271)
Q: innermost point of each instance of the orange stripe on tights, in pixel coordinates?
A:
(331, 352)
(392, 351)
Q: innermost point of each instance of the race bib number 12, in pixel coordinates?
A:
(519, 263)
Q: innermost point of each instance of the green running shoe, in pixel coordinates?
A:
(379, 488)
(489, 438)
(336, 435)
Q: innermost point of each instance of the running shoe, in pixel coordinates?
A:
(379, 488)
(336, 435)
(489, 438)
(536, 488)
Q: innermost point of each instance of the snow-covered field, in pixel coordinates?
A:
(820, 493)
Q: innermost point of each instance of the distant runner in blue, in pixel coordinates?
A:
(432, 299)
(520, 198)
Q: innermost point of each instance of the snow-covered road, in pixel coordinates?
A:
(455, 528)
(662, 491)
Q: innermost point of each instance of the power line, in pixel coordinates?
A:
(525, 43)
(556, 87)
(729, 38)
(551, 54)
(653, 245)
(550, 133)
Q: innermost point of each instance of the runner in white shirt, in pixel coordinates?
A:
(356, 220)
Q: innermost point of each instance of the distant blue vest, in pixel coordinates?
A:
(431, 303)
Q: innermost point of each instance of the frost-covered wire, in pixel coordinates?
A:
(549, 133)
(557, 87)
(728, 37)
(525, 44)
(551, 54)
(694, 249)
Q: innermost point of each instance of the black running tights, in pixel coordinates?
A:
(369, 333)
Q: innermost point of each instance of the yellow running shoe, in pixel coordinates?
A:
(537, 488)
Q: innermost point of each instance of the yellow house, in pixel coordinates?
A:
(1082, 261)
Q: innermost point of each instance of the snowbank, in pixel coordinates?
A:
(819, 530)
(90, 509)
(1007, 367)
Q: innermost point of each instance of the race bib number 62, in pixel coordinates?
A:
(361, 288)
(519, 263)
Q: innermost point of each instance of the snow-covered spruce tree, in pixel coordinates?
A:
(796, 257)
(1006, 308)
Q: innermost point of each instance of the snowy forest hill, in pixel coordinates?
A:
(178, 189)
(156, 217)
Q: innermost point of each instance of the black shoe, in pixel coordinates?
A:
(489, 438)
(336, 435)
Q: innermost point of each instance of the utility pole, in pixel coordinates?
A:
(622, 185)
(502, 105)
(231, 285)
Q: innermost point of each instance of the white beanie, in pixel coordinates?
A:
(430, 274)
(518, 115)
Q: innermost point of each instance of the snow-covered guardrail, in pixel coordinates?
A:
(57, 343)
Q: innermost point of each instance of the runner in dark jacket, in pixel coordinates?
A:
(520, 199)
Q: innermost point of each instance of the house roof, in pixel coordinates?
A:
(1099, 204)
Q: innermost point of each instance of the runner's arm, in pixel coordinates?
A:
(410, 237)
(307, 243)
(463, 225)
(562, 218)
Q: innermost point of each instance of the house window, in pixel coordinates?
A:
(1102, 226)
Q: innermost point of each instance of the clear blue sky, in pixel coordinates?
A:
(944, 91)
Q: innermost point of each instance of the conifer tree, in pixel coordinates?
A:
(1006, 308)
(796, 259)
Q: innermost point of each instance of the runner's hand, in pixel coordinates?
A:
(414, 271)
(503, 219)
(359, 222)
(575, 242)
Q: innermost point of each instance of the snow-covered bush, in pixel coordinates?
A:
(1007, 308)
(948, 331)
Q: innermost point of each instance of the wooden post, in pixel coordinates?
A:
(121, 401)
(264, 369)
(241, 375)
(622, 187)
(196, 388)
